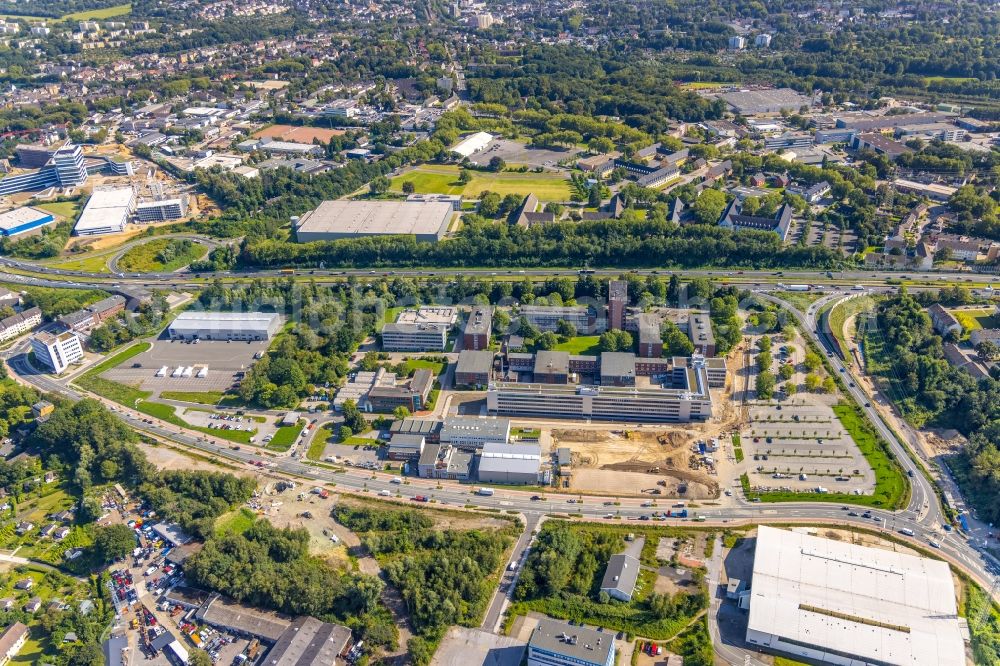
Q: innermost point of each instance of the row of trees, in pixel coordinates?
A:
(599, 242)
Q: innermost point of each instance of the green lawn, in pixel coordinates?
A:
(67, 209)
(197, 397)
(973, 320)
(97, 14)
(283, 438)
(146, 257)
(235, 522)
(417, 363)
(844, 311)
(443, 179)
(582, 344)
(318, 443)
(97, 263)
(362, 441)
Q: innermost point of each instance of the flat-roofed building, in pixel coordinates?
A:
(336, 220)
(700, 333)
(617, 302)
(443, 461)
(604, 403)
(57, 351)
(420, 329)
(160, 211)
(840, 603)
(880, 144)
(474, 368)
(510, 463)
(472, 144)
(771, 101)
(406, 447)
(476, 334)
(24, 220)
(413, 395)
(617, 369)
(106, 212)
(715, 368)
(224, 326)
(650, 339)
(934, 191)
(558, 643)
(414, 337)
(551, 367)
(475, 433)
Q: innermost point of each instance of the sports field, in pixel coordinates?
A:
(443, 179)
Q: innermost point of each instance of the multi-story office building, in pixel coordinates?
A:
(650, 338)
(57, 351)
(66, 168)
(474, 368)
(414, 337)
(557, 643)
(617, 301)
(700, 332)
(412, 396)
(689, 400)
(476, 335)
(423, 329)
(69, 166)
(715, 369)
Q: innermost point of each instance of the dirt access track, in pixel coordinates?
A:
(634, 462)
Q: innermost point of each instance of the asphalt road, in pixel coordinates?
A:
(923, 515)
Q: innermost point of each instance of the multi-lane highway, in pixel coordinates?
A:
(65, 277)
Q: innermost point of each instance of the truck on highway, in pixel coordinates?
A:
(798, 287)
(677, 513)
(485, 492)
(906, 531)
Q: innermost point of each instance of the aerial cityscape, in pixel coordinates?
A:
(491, 333)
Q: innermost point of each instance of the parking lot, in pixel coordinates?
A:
(801, 445)
(514, 152)
(224, 360)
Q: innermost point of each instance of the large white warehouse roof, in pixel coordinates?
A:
(849, 601)
(107, 211)
(473, 144)
(332, 220)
